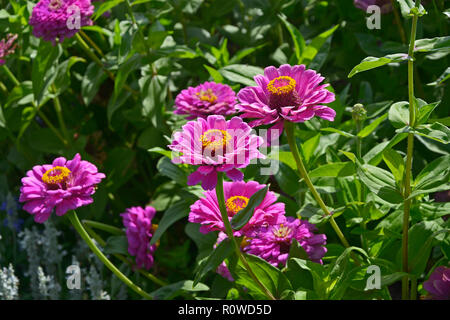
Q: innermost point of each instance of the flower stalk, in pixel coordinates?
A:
(83, 233)
(229, 232)
(409, 154)
(304, 174)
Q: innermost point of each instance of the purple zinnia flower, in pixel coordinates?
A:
(209, 98)
(272, 243)
(438, 285)
(63, 185)
(385, 5)
(7, 47)
(216, 145)
(237, 194)
(54, 20)
(287, 93)
(138, 222)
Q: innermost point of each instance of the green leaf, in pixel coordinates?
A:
(217, 77)
(399, 114)
(435, 131)
(421, 236)
(380, 182)
(316, 44)
(105, 6)
(297, 251)
(309, 147)
(297, 38)
(116, 245)
(241, 73)
(271, 277)
(407, 5)
(171, 170)
(176, 212)
(91, 82)
(373, 62)
(425, 112)
(162, 151)
(396, 164)
(241, 218)
(431, 45)
(441, 79)
(219, 254)
(434, 177)
(334, 130)
(43, 70)
(372, 126)
(124, 70)
(337, 169)
(375, 155)
(175, 289)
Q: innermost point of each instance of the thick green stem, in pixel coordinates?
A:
(102, 242)
(288, 126)
(363, 188)
(409, 157)
(80, 229)
(11, 75)
(229, 232)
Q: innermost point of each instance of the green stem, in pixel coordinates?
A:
(121, 257)
(11, 75)
(409, 157)
(105, 227)
(363, 189)
(288, 126)
(58, 110)
(92, 55)
(398, 22)
(50, 125)
(80, 229)
(413, 288)
(92, 43)
(229, 231)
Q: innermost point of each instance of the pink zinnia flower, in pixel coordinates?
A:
(63, 185)
(272, 243)
(206, 99)
(216, 145)
(7, 47)
(287, 93)
(138, 222)
(237, 194)
(54, 20)
(385, 5)
(438, 285)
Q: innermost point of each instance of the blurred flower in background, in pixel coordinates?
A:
(7, 47)
(438, 285)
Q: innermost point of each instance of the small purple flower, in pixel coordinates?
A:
(438, 285)
(385, 5)
(237, 194)
(206, 99)
(138, 222)
(55, 20)
(216, 145)
(287, 93)
(7, 47)
(272, 243)
(64, 185)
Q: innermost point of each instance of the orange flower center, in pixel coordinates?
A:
(56, 175)
(282, 231)
(207, 95)
(236, 203)
(281, 85)
(215, 139)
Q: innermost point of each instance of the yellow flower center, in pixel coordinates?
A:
(282, 231)
(281, 85)
(207, 95)
(215, 139)
(56, 175)
(236, 203)
(245, 242)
